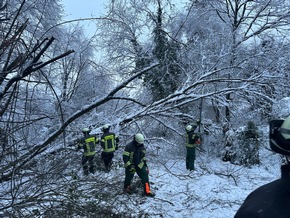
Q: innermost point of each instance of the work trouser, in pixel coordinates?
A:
(190, 158)
(107, 157)
(142, 173)
(88, 164)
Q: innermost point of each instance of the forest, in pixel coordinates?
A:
(149, 67)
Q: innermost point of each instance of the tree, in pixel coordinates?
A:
(243, 145)
(249, 22)
(168, 76)
(43, 103)
(23, 57)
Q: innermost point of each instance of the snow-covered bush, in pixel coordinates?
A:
(242, 145)
(281, 108)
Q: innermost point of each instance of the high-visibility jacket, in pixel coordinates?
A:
(109, 142)
(88, 144)
(192, 139)
(134, 155)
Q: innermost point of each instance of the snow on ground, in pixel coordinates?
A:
(215, 189)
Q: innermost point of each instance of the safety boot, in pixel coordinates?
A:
(128, 190)
(148, 191)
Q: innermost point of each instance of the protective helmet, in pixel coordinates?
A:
(106, 126)
(86, 130)
(279, 136)
(285, 128)
(139, 138)
(188, 128)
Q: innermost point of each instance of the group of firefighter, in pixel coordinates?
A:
(268, 201)
(134, 154)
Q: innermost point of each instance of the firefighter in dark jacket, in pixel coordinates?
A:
(192, 140)
(109, 143)
(88, 144)
(272, 200)
(135, 161)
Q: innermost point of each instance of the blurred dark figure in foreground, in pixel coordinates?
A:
(272, 200)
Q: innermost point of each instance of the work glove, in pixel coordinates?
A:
(132, 169)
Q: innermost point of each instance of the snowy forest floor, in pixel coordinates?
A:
(215, 189)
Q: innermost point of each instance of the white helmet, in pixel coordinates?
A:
(285, 128)
(139, 138)
(106, 126)
(278, 135)
(191, 127)
(86, 130)
(188, 128)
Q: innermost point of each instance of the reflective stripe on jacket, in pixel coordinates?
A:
(89, 145)
(191, 139)
(134, 154)
(109, 142)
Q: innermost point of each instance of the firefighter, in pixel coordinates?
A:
(109, 143)
(134, 157)
(88, 144)
(192, 140)
(272, 199)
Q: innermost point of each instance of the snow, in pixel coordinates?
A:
(215, 189)
(281, 108)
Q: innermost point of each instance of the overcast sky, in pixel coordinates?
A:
(75, 9)
(80, 9)
(88, 8)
